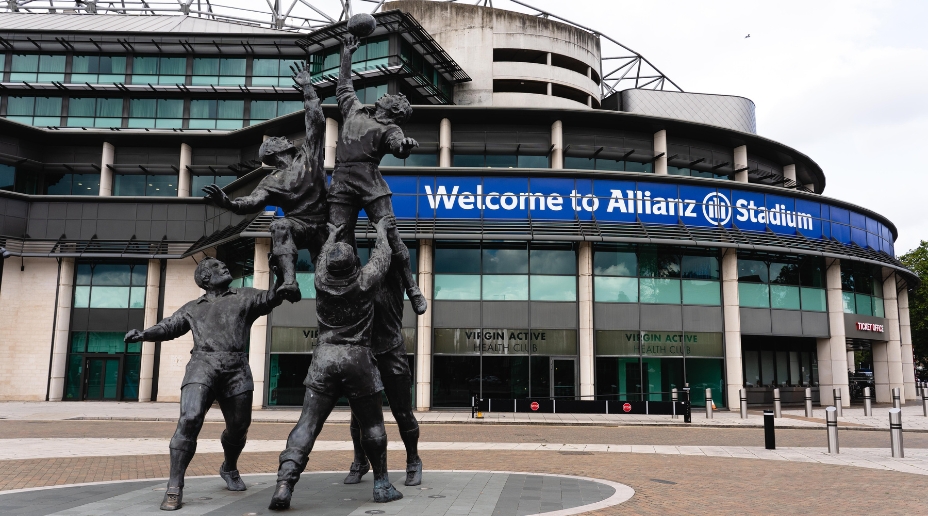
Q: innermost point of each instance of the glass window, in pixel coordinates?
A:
(751, 369)
(657, 262)
(145, 185)
(813, 299)
(784, 297)
(784, 273)
(156, 113)
(272, 72)
(753, 271)
(216, 114)
(107, 285)
(847, 299)
(39, 111)
(553, 261)
(505, 287)
(7, 178)
(553, 288)
(457, 259)
(201, 181)
(218, 71)
(511, 259)
(91, 112)
(700, 267)
(159, 70)
(659, 290)
(457, 286)
(753, 295)
(700, 292)
(620, 262)
(98, 69)
(615, 289)
(37, 68)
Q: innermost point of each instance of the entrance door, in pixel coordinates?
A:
(563, 378)
(102, 379)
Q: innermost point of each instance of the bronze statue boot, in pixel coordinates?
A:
(384, 491)
(356, 472)
(419, 304)
(414, 473)
(233, 479)
(281, 499)
(173, 499)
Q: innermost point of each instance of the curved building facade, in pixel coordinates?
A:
(568, 251)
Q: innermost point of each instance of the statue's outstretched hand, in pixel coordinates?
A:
(335, 232)
(383, 225)
(134, 336)
(351, 43)
(302, 76)
(408, 143)
(217, 196)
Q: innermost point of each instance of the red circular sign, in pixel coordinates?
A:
(627, 407)
(534, 405)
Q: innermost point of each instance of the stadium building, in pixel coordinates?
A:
(581, 232)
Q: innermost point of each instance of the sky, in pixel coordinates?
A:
(845, 82)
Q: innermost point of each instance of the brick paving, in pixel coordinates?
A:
(689, 436)
(663, 484)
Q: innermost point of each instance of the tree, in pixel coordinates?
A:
(917, 261)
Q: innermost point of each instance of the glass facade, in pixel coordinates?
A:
(782, 282)
(98, 69)
(216, 114)
(108, 297)
(41, 111)
(145, 185)
(638, 365)
(617, 165)
(156, 113)
(653, 274)
(502, 363)
(862, 289)
(505, 271)
(221, 71)
(37, 68)
(779, 362)
(159, 70)
(93, 112)
(267, 109)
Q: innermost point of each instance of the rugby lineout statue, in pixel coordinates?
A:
(360, 310)
(218, 369)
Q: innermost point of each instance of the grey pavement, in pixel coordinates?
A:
(459, 493)
(913, 418)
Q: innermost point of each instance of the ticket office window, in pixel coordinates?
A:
(781, 282)
(505, 271)
(862, 289)
(654, 274)
(502, 363)
(638, 365)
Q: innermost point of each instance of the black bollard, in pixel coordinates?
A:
(687, 416)
(770, 441)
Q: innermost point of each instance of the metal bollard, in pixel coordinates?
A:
(673, 399)
(708, 403)
(839, 412)
(808, 402)
(744, 403)
(897, 398)
(776, 403)
(925, 400)
(688, 414)
(895, 432)
(770, 440)
(831, 420)
(868, 402)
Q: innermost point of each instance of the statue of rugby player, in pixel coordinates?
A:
(297, 185)
(343, 364)
(218, 368)
(364, 137)
(389, 348)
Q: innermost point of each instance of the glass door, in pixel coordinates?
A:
(563, 378)
(101, 381)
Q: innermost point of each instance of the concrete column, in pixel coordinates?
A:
(660, 145)
(331, 141)
(424, 330)
(789, 172)
(550, 89)
(557, 145)
(152, 291)
(894, 344)
(731, 309)
(62, 329)
(832, 351)
(185, 177)
(585, 298)
(881, 382)
(851, 363)
(257, 352)
(741, 161)
(444, 143)
(548, 59)
(106, 175)
(905, 339)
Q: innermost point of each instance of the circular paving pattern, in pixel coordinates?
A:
(485, 493)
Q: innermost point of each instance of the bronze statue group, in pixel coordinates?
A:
(360, 351)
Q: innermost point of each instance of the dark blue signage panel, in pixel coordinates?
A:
(618, 201)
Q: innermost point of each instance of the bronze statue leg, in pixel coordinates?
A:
(237, 413)
(195, 400)
(383, 207)
(369, 412)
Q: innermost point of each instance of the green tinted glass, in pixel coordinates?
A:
(553, 288)
(813, 299)
(753, 295)
(700, 292)
(784, 297)
(615, 290)
(505, 287)
(663, 291)
(457, 286)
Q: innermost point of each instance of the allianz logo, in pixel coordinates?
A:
(715, 207)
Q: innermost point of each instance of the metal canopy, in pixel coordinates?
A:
(621, 67)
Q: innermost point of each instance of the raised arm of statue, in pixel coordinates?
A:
(169, 328)
(379, 263)
(347, 99)
(314, 119)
